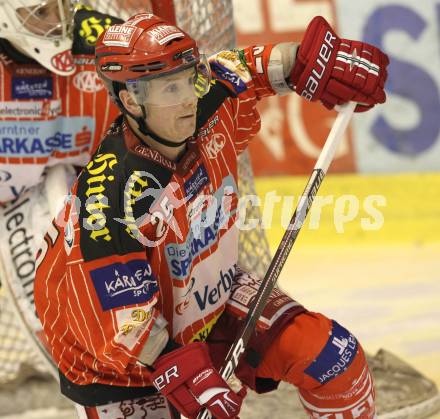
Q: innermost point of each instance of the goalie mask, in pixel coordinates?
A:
(40, 29)
(146, 50)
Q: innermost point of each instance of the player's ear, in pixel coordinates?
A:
(130, 103)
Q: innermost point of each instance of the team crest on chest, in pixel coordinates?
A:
(215, 145)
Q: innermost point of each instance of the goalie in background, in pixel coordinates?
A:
(138, 288)
(54, 110)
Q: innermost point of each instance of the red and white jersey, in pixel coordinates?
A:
(46, 119)
(143, 235)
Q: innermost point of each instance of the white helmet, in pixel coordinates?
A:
(42, 30)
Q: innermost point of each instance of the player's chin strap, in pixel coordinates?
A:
(143, 128)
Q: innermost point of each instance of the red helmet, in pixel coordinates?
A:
(143, 47)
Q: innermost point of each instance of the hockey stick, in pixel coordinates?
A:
(287, 242)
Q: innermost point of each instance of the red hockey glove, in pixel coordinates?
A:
(336, 71)
(187, 378)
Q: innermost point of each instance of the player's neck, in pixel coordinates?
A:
(171, 153)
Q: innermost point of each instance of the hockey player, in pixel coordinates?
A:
(138, 288)
(53, 111)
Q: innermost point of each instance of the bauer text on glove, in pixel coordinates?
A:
(336, 71)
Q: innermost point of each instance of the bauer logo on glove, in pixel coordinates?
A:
(336, 71)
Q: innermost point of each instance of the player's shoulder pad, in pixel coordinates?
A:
(88, 26)
(230, 68)
(102, 173)
(100, 192)
(120, 191)
(139, 171)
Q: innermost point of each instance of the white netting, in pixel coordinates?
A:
(19, 357)
(15, 350)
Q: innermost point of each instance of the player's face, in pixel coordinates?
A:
(43, 19)
(172, 105)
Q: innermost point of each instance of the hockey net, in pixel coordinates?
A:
(402, 391)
